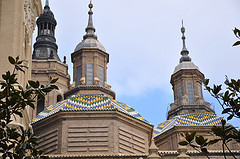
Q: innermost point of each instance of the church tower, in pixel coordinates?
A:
(45, 46)
(186, 82)
(46, 64)
(90, 64)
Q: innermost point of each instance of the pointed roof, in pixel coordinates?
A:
(88, 102)
(90, 38)
(47, 3)
(184, 51)
(188, 120)
(185, 60)
(90, 30)
(47, 15)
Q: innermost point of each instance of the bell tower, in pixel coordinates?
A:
(186, 82)
(90, 61)
(46, 64)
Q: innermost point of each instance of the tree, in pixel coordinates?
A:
(17, 142)
(229, 100)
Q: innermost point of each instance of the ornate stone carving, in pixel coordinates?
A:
(30, 13)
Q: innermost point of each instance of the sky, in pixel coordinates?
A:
(144, 42)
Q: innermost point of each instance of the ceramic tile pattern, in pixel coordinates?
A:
(188, 119)
(88, 102)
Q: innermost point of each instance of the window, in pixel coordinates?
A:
(89, 74)
(40, 105)
(199, 91)
(190, 93)
(179, 97)
(101, 75)
(78, 74)
(59, 98)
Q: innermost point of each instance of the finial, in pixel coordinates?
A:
(184, 51)
(90, 5)
(90, 30)
(182, 29)
(47, 3)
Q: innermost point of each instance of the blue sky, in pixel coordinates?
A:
(143, 40)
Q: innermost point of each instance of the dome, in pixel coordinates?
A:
(88, 102)
(90, 43)
(47, 16)
(189, 120)
(186, 65)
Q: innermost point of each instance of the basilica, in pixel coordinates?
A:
(84, 120)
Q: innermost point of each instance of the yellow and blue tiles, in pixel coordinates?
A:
(188, 119)
(88, 102)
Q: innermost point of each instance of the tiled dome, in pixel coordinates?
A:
(190, 119)
(88, 102)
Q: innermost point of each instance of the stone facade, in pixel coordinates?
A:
(179, 81)
(17, 23)
(168, 140)
(46, 64)
(99, 132)
(44, 71)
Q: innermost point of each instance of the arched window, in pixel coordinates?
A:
(59, 98)
(40, 105)
(179, 97)
(190, 93)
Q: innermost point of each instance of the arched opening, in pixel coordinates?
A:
(40, 105)
(59, 98)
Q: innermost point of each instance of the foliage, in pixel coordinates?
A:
(224, 133)
(230, 103)
(230, 99)
(237, 34)
(15, 141)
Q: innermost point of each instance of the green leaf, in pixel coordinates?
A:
(211, 142)
(236, 43)
(230, 117)
(54, 86)
(236, 31)
(200, 140)
(206, 81)
(183, 143)
(54, 80)
(33, 84)
(204, 150)
(47, 89)
(11, 60)
(226, 110)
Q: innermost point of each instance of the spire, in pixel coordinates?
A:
(46, 7)
(90, 30)
(47, 3)
(184, 51)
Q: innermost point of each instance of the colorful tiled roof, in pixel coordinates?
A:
(190, 119)
(88, 102)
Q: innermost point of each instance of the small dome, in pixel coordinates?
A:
(47, 16)
(90, 43)
(186, 65)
